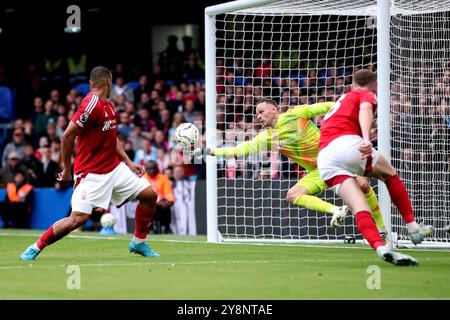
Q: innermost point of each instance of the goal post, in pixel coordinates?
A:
(305, 51)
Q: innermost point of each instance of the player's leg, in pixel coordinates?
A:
(351, 193)
(303, 195)
(399, 195)
(57, 231)
(145, 212)
(372, 201)
(128, 186)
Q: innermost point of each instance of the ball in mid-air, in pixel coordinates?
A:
(187, 134)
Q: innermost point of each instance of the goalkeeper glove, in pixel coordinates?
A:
(198, 153)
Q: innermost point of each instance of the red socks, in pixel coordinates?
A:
(144, 218)
(47, 238)
(400, 198)
(368, 229)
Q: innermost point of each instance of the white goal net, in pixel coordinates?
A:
(303, 52)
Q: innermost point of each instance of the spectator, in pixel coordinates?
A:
(17, 146)
(49, 169)
(61, 126)
(129, 149)
(163, 159)
(144, 121)
(192, 71)
(160, 141)
(38, 108)
(29, 134)
(120, 88)
(44, 118)
(144, 86)
(161, 184)
(121, 103)
(144, 101)
(136, 137)
(146, 153)
(19, 201)
(170, 59)
(33, 165)
(177, 120)
(55, 146)
(51, 130)
(190, 94)
(164, 119)
(125, 127)
(44, 142)
(190, 114)
(183, 211)
(8, 171)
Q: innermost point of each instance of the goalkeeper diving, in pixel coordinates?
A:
(295, 136)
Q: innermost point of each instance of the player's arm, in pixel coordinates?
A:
(257, 144)
(67, 143)
(309, 111)
(136, 168)
(365, 122)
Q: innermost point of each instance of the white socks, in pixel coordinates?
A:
(137, 240)
(34, 245)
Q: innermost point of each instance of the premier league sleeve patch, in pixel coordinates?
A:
(84, 117)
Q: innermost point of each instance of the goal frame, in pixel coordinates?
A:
(382, 13)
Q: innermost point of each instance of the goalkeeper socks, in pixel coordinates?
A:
(314, 203)
(372, 201)
(400, 198)
(366, 225)
(144, 218)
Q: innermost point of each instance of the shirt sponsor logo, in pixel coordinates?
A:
(108, 125)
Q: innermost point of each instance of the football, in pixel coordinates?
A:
(107, 220)
(187, 134)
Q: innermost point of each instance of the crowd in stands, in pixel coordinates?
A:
(151, 106)
(420, 111)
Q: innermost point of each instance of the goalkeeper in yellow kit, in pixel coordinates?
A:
(294, 135)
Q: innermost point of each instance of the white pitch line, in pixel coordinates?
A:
(172, 264)
(325, 246)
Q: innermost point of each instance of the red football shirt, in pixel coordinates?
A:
(343, 117)
(96, 151)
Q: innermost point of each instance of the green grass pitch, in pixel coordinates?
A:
(190, 268)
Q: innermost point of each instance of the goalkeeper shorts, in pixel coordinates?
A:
(313, 182)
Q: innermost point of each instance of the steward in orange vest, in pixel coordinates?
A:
(163, 187)
(19, 202)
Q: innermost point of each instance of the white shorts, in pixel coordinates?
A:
(341, 159)
(99, 190)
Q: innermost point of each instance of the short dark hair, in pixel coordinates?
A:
(267, 100)
(99, 74)
(364, 77)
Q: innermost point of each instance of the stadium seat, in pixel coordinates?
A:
(83, 88)
(170, 82)
(7, 107)
(133, 85)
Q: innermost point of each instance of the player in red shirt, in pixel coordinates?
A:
(345, 151)
(103, 173)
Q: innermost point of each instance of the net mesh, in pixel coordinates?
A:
(303, 52)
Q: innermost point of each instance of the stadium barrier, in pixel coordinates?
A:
(51, 205)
